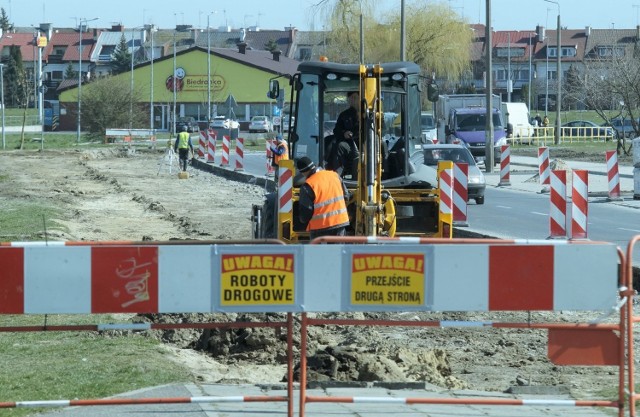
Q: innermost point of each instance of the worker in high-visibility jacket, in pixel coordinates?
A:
(182, 146)
(322, 205)
(280, 151)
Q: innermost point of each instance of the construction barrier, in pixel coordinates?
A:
(629, 312)
(202, 144)
(510, 277)
(558, 210)
(543, 168)
(211, 148)
(445, 190)
(460, 193)
(226, 144)
(613, 175)
(580, 204)
(496, 276)
(239, 154)
(505, 166)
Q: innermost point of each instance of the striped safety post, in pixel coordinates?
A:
(239, 154)
(202, 144)
(558, 210)
(460, 193)
(211, 147)
(270, 168)
(445, 185)
(225, 151)
(613, 175)
(543, 168)
(505, 166)
(580, 204)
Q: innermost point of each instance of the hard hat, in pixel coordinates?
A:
(183, 128)
(279, 137)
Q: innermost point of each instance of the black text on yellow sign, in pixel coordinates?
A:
(257, 279)
(387, 279)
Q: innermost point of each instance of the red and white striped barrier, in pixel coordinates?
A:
(460, 193)
(505, 166)
(270, 168)
(558, 211)
(543, 168)
(580, 204)
(239, 154)
(211, 146)
(446, 191)
(613, 175)
(226, 143)
(202, 144)
(285, 190)
(138, 401)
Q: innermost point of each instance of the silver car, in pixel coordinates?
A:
(457, 153)
(428, 128)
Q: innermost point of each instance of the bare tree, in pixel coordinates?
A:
(611, 87)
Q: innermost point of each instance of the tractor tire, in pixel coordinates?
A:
(268, 225)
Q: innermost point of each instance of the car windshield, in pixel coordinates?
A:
(435, 155)
(426, 121)
(259, 119)
(475, 122)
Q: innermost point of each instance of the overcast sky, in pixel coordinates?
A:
(276, 14)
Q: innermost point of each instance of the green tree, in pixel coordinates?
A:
(16, 79)
(271, 46)
(436, 38)
(121, 59)
(573, 89)
(70, 73)
(5, 25)
(106, 104)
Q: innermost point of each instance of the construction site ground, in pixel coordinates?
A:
(129, 194)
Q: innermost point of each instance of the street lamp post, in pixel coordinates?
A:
(556, 138)
(151, 115)
(133, 44)
(4, 143)
(80, 74)
(174, 85)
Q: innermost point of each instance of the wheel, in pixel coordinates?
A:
(268, 224)
(479, 200)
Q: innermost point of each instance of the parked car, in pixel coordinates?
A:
(221, 122)
(586, 128)
(434, 153)
(260, 124)
(287, 121)
(189, 122)
(428, 128)
(624, 127)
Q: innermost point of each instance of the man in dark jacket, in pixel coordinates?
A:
(344, 156)
(322, 206)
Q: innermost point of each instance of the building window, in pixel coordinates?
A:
(552, 74)
(506, 52)
(567, 51)
(305, 54)
(610, 51)
(57, 75)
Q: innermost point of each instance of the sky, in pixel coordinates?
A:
(278, 14)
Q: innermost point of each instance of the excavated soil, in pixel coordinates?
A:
(123, 194)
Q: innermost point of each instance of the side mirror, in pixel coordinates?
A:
(447, 130)
(274, 89)
(433, 92)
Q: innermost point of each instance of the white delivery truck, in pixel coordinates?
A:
(517, 118)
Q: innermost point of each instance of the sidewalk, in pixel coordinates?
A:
(524, 177)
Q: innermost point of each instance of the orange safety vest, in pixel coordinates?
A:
(329, 207)
(284, 156)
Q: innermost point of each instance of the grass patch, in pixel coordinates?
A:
(26, 220)
(67, 365)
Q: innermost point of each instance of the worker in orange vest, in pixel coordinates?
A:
(322, 205)
(280, 151)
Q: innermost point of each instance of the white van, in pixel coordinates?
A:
(517, 115)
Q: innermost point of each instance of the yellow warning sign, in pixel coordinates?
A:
(257, 279)
(42, 41)
(387, 279)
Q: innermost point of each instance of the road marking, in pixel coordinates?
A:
(539, 214)
(629, 230)
(505, 207)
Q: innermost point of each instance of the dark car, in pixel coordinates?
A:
(624, 127)
(189, 122)
(586, 129)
